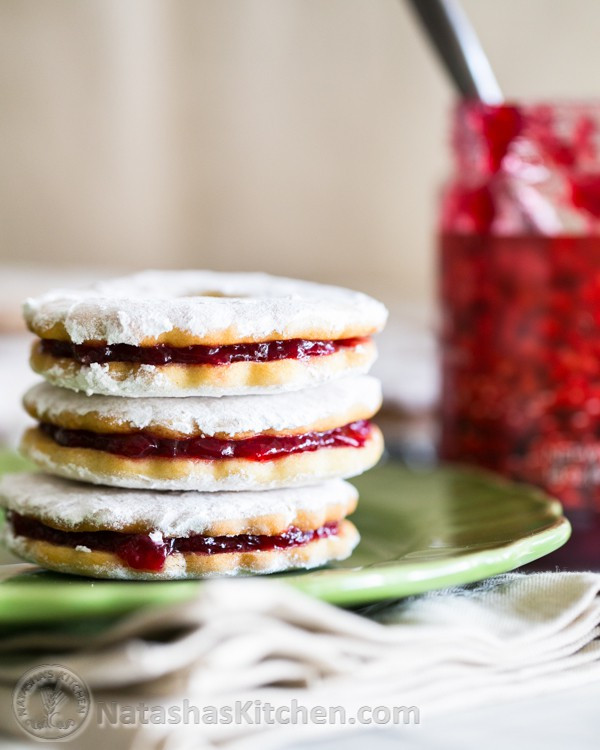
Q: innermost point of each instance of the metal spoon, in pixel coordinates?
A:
(454, 39)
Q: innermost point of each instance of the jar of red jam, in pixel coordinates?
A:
(520, 297)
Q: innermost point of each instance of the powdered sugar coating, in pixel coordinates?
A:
(253, 307)
(228, 415)
(69, 504)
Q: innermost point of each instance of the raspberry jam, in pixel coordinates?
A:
(258, 448)
(520, 293)
(162, 354)
(149, 551)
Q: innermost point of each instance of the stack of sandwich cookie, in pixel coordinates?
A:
(200, 424)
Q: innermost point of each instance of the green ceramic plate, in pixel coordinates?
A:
(420, 531)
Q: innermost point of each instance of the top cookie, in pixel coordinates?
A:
(186, 308)
(171, 333)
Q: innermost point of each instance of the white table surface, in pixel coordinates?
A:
(565, 719)
(561, 720)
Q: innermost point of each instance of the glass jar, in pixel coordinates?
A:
(520, 297)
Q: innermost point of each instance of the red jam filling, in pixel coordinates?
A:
(257, 448)
(162, 354)
(149, 552)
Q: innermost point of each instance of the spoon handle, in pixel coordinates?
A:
(457, 44)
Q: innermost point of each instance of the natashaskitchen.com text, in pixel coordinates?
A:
(252, 712)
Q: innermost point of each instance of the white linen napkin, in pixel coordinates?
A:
(259, 640)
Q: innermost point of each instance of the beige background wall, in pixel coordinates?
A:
(304, 137)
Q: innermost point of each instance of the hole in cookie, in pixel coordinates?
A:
(213, 294)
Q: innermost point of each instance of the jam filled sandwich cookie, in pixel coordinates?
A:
(182, 333)
(113, 533)
(208, 444)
